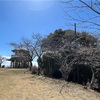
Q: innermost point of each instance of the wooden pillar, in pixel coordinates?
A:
(14, 64)
(11, 64)
(20, 64)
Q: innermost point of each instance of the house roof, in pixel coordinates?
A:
(20, 49)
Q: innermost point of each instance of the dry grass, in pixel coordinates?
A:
(17, 85)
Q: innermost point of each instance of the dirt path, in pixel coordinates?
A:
(17, 85)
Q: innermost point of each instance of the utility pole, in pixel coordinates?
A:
(75, 28)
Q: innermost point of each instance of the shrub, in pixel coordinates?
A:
(34, 69)
(51, 65)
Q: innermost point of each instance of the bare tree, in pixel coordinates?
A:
(38, 49)
(86, 13)
(33, 46)
(28, 45)
(15, 45)
(2, 59)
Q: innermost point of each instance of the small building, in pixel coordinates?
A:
(20, 58)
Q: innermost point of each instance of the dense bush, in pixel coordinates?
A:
(51, 65)
(79, 56)
(80, 74)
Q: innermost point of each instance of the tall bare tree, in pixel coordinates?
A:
(33, 46)
(28, 45)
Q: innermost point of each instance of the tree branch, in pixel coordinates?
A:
(90, 7)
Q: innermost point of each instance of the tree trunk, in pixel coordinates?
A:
(39, 65)
(30, 66)
(92, 80)
(0, 65)
(77, 74)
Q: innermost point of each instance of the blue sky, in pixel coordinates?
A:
(20, 18)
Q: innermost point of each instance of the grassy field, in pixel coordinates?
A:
(18, 84)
